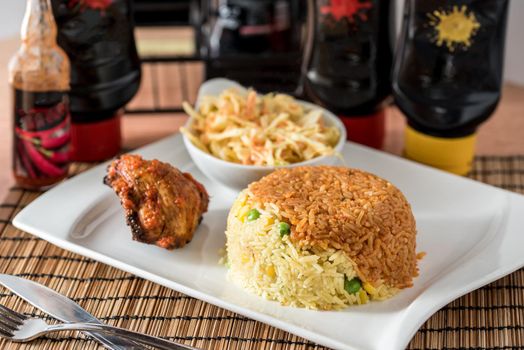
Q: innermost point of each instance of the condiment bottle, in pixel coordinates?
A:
(39, 75)
(447, 77)
(349, 59)
(98, 37)
(257, 43)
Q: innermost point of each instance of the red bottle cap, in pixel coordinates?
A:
(97, 141)
(368, 129)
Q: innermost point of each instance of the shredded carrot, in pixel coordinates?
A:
(251, 129)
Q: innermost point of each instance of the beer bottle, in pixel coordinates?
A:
(39, 76)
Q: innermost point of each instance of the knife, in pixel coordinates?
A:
(61, 308)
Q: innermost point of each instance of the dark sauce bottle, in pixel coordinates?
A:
(98, 37)
(255, 42)
(448, 76)
(349, 63)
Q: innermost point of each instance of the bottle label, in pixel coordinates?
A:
(453, 28)
(346, 9)
(41, 134)
(100, 5)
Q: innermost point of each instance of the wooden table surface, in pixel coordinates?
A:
(500, 135)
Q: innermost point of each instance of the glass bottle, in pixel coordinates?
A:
(258, 43)
(39, 76)
(349, 59)
(447, 76)
(98, 37)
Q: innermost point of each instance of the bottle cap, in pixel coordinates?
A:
(368, 129)
(451, 154)
(96, 141)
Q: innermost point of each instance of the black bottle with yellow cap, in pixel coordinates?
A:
(447, 76)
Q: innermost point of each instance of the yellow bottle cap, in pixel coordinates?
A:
(451, 154)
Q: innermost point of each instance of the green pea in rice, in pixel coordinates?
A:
(266, 263)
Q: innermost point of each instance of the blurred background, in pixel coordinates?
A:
(169, 12)
(163, 34)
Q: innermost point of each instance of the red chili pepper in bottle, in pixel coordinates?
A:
(39, 75)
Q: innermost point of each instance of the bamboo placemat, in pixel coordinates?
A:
(489, 318)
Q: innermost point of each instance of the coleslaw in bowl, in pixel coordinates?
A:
(236, 136)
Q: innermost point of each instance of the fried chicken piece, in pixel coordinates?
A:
(163, 206)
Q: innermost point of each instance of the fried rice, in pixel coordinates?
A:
(349, 238)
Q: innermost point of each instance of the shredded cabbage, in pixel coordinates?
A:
(251, 129)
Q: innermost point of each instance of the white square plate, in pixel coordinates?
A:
(472, 234)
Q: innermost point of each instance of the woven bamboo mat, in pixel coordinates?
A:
(489, 318)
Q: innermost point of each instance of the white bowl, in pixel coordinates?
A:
(238, 176)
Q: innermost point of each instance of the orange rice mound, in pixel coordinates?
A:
(347, 209)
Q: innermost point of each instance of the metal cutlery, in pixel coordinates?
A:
(63, 309)
(20, 328)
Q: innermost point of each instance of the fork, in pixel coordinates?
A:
(20, 328)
